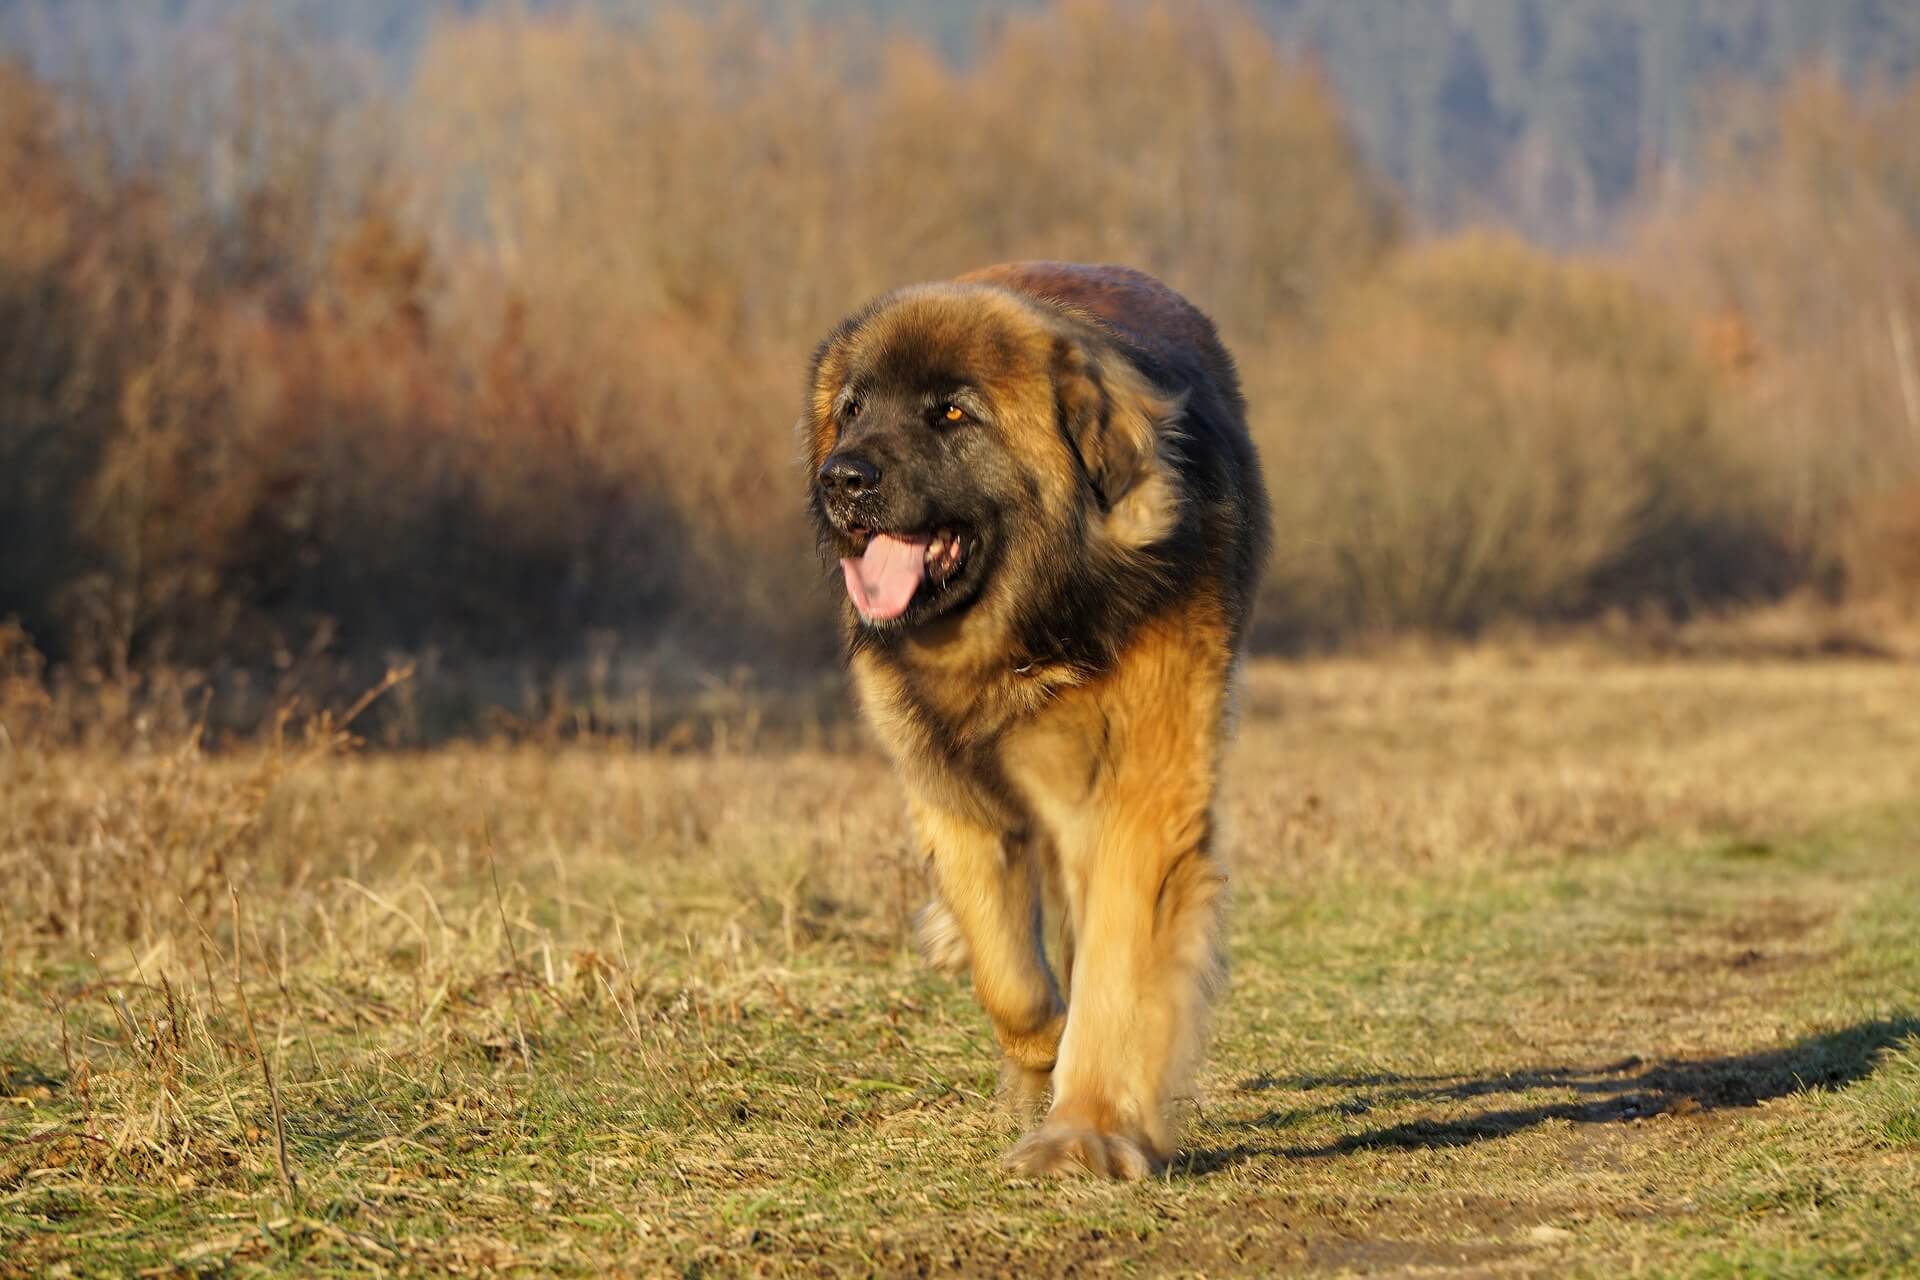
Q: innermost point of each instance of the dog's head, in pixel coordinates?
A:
(969, 445)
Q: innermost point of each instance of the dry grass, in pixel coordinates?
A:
(1543, 963)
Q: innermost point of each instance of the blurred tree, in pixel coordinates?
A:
(1547, 113)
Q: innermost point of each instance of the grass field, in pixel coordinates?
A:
(1559, 965)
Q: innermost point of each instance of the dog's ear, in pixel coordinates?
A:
(1119, 426)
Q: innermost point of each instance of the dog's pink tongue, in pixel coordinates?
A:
(882, 581)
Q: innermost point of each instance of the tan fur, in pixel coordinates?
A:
(1122, 771)
(1119, 773)
(1062, 794)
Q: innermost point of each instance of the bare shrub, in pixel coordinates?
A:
(542, 386)
(1883, 548)
(679, 213)
(1801, 244)
(507, 357)
(1482, 431)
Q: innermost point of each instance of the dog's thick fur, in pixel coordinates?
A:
(1056, 709)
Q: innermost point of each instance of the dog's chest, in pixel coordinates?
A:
(1009, 749)
(1058, 763)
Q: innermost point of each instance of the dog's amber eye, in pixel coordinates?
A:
(951, 413)
(852, 410)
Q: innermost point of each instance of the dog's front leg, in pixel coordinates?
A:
(1144, 887)
(991, 884)
(1146, 968)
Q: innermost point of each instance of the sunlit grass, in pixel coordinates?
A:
(1564, 966)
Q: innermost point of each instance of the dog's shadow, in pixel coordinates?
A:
(1608, 1094)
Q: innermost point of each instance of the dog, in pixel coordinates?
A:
(1038, 487)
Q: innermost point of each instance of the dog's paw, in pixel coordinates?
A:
(941, 941)
(1073, 1152)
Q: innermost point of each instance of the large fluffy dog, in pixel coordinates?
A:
(1038, 485)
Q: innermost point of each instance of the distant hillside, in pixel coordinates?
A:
(1546, 114)
(1550, 113)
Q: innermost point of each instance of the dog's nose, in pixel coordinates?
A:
(848, 475)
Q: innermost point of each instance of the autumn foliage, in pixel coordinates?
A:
(501, 364)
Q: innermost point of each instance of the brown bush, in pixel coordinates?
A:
(1883, 548)
(1801, 239)
(545, 386)
(682, 215)
(508, 358)
(1482, 432)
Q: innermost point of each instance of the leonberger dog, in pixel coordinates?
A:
(1038, 486)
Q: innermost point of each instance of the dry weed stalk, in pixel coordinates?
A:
(513, 951)
(287, 1178)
